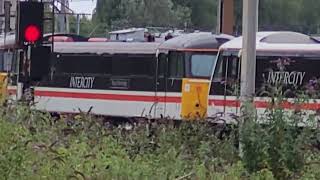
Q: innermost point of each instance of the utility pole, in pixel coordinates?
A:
(248, 60)
(219, 16)
(63, 21)
(78, 24)
(66, 6)
(1, 12)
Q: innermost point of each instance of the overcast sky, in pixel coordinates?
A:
(82, 6)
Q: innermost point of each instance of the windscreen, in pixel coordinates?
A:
(201, 65)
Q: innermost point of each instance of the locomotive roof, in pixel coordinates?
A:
(106, 47)
(9, 40)
(278, 41)
(200, 40)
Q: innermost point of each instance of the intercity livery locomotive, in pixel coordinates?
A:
(286, 60)
(131, 79)
(195, 76)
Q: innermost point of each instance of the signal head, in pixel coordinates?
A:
(32, 33)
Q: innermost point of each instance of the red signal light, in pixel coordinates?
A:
(32, 33)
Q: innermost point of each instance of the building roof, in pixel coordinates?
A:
(201, 40)
(106, 47)
(125, 31)
(97, 39)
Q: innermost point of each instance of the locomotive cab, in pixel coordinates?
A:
(285, 60)
(184, 69)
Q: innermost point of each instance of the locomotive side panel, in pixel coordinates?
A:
(117, 85)
(293, 74)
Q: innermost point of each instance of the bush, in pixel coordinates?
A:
(281, 141)
(33, 145)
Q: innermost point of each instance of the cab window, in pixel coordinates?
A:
(219, 70)
(7, 61)
(162, 61)
(176, 65)
(202, 65)
(226, 76)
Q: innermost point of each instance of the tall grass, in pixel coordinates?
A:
(283, 141)
(33, 145)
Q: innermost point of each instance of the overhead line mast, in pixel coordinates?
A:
(248, 61)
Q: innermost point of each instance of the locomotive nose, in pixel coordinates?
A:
(194, 101)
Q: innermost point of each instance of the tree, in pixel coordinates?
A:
(85, 25)
(138, 13)
(204, 14)
(296, 15)
(293, 15)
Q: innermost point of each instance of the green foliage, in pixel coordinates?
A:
(295, 15)
(86, 25)
(167, 13)
(35, 146)
(276, 142)
(204, 14)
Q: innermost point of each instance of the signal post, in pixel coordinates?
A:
(29, 37)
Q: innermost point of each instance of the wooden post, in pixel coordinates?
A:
(226, 14)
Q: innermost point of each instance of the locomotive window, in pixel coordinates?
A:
(233, 67)
(83, 64)
(126, 65)
(7, 61)
(117, 65)
(1, 61)
(142, 65)
(219, 70)
(233, 76)
(162, 64)
(120, 65)
(176, 65)
(14, 66)
(202, 65)
(226, 76)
